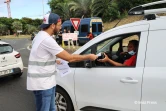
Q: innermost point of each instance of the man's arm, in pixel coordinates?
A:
(75, 57)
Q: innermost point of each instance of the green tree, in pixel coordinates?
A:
(30, 29)
(63, 10)
(105, 9)
(61, 7)
(16, 25)
(53, 3)
(37, 22)
(126, 5)
(3, 29)
(7, 21)
(81, 7)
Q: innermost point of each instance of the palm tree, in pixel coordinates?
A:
(81, 7)
(106, 9)
(63, 10)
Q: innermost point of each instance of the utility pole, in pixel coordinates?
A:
(8, 7)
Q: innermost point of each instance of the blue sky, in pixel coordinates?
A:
(24, 8)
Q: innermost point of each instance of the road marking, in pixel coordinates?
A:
(29, 47)
(25, 67)
(21, 49)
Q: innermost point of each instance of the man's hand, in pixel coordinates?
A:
(75, 57)
(93, 57)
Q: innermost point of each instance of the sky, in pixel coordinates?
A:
(25, 8)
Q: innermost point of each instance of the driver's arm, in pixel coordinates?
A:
(115, 63)
(106, 59)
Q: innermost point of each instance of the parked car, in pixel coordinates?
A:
(10, 61)
(33, 35)
(96, 86)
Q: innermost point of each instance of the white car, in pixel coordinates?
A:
(10, 61)
(96, 86)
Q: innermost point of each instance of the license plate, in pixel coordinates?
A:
(6, 72)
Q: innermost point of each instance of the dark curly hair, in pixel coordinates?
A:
(135, 43)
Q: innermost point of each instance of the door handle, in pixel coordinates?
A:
(129, 80)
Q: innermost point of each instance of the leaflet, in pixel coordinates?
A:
(63, 68)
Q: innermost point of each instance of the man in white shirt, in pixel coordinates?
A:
(41, 77)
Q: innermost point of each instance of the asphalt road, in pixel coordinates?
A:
(13, 93)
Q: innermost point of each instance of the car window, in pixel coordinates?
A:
(114, 48)
(5, 48)
(126, 41)
(103, 46)
(84, 28)
(87, 52)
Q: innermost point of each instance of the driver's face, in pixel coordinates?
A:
(130, 47)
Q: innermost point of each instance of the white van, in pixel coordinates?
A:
(94, 86)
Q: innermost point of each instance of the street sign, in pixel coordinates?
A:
(19, 31)
(75, 22)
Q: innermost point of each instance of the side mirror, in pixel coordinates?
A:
(88, 64)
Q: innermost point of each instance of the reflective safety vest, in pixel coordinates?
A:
(41, 70)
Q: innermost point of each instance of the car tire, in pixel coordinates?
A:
(18, 75)
(63, 101)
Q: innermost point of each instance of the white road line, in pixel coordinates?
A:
(21, 49)
(29, 47)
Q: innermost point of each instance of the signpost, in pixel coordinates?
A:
(75, 22)
(19, 31)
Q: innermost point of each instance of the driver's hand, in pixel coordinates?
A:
(105, 59)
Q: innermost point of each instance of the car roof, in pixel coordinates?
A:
(1, 42)
(156, 24)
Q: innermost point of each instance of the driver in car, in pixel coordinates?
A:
(132, 50)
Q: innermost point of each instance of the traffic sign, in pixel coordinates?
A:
(75, 22)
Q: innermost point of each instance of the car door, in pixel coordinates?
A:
(109, 87)
(154, 88)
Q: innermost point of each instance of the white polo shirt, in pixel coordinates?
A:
(41, 68)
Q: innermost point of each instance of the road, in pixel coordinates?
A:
(13, 93)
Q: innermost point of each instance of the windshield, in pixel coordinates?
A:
(103, 46)
(5, 48)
